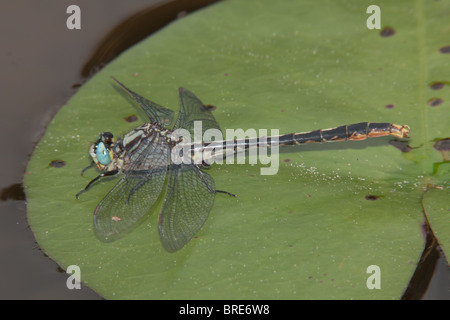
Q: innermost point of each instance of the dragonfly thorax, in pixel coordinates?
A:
(109, 155)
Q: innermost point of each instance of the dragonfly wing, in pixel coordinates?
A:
(127, 203)
(153, 111)
(189, 198)
(191, 110)
(137, 192)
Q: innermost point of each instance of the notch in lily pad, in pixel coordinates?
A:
(13, 192)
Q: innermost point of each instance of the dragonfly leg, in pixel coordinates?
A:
(226, 192)
(137, 186)
(88, 167)
(104, 174)
(200, 174)
(205, 165)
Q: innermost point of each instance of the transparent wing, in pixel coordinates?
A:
(136, 193)
(189, 198)
(154, 111)
(191, 110)
(118, 212)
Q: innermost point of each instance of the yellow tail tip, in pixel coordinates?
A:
(400, 131)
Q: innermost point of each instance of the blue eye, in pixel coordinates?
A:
(102, 154)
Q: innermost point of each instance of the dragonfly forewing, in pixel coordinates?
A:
(137, 192)
(192, 110)
(153, 111)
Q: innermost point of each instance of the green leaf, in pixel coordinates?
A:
(332, 210)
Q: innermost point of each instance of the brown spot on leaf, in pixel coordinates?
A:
(210, 107)
(445, 49)
(389, 106)
(434, 102)
(437, 85)
(371, 197)
(57, 163)
(443, 146)
(131, 118)
(387, 32)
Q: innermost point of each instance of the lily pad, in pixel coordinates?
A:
(437, 210)
(332, 210)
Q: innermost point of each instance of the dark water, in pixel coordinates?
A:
(43, 63)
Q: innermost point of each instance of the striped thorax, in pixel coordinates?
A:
(110, 156)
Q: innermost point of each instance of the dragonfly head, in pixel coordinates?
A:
(101, 151)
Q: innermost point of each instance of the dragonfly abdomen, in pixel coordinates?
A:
(353, 132)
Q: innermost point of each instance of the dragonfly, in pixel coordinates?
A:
(143, 160)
